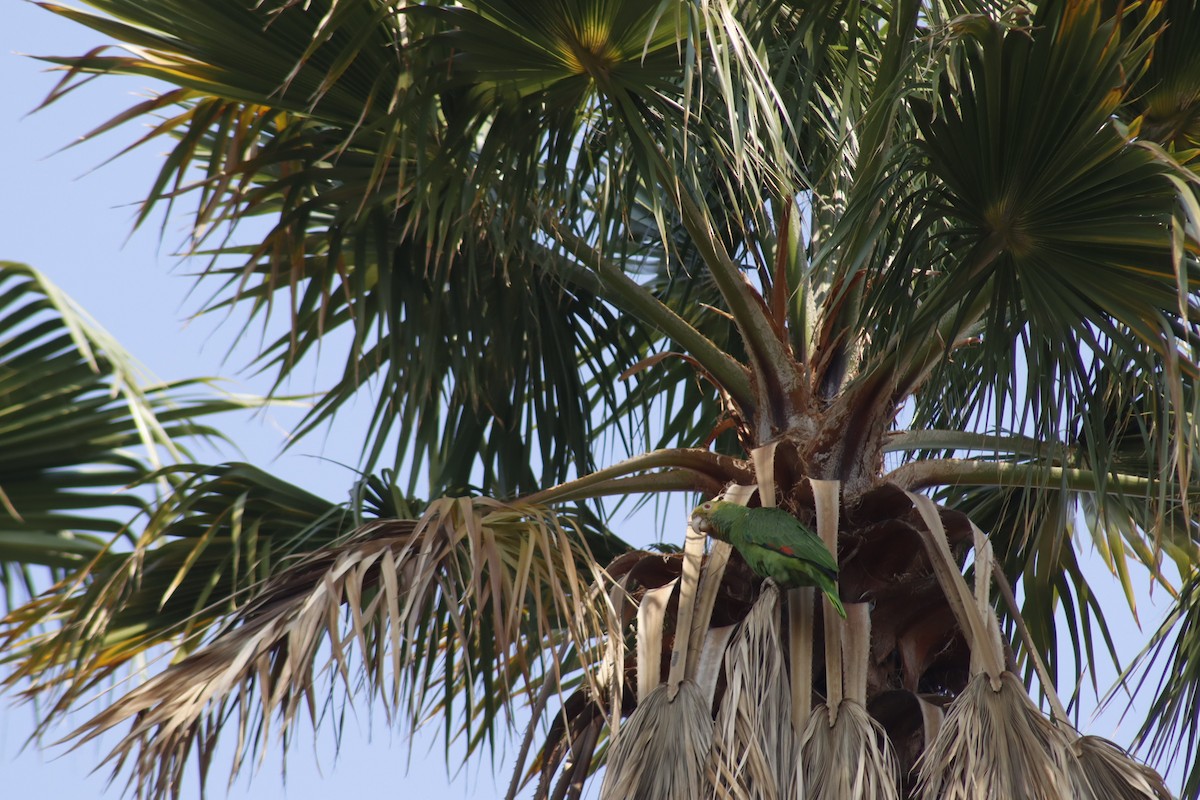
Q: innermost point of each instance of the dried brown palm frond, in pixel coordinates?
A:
(573, 739)
(754, 748)
(850, 759)
(1099, 769)
(203, 552)
(641, 583)
(1111, 773)
(753, 752)
(474, 591)
(645, 583)
(996, 743)
(844, 753)
(661, 751)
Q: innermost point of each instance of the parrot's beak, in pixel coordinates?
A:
(699, 524)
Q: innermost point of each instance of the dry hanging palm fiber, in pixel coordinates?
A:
(1112, 774)
(659, 754)
(1098, 768)
(753, 747)
(801, 607)
(661, 750)
(848, 760)
(844, 753)
(994, 742)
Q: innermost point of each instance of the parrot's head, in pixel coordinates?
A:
(703, 520)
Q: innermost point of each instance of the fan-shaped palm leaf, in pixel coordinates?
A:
(78, 424)
(450, 612)
(780, 220)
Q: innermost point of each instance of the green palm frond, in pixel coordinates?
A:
(1169, 730)
(361, 240)
(477, 364)
(1165, 96)
(582, 248)
(1035, 219)
(323, 59)
(1038, 244)
(204, 551)
(78, 425)
(1064, 272)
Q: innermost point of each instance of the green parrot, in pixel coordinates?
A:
(774, 543)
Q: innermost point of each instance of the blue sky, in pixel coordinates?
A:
(70, 215)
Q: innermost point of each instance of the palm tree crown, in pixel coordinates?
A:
(917, 273)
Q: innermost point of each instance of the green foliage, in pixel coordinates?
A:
(78, 423)
(950, 246)
(1170, 725)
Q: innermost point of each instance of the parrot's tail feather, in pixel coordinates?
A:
(836, 602)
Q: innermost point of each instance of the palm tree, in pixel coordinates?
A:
(917, 273)
(80, 423)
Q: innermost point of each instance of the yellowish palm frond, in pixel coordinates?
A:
(474, 590)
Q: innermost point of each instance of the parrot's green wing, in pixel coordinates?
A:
(779, 531)
(776, 545)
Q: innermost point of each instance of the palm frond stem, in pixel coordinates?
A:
(928, 439)
(1014, 611)
(879, 120)
(702, 464)
(801, 607)
(912, 365)
(978, 626)
(770, 355)
(877, 126)
(633, 298)
(693, 559)
(825, 496)
(968, 472)
(667, 480)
